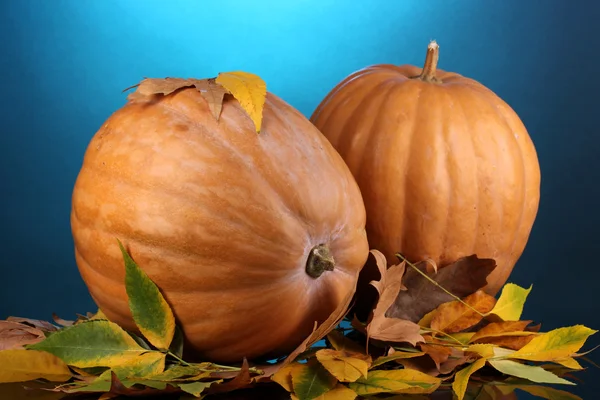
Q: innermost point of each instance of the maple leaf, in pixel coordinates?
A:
(461, 278)
(381, 327)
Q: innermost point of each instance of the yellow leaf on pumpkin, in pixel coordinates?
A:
(249, 90)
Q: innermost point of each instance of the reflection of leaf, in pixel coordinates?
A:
(510, 303)
(195, 388)
(461, 380)
(91, 344)
(390, 329)
(556, 344)
(311, 380)
(395, 381)
(456, 316)
(462, 278)
(25, 365)
(345, 366)
(249, 90)
(150, 310)
(546, 392)
(529, 372)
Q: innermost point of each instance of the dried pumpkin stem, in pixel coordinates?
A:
(431, 61)
(319, 260)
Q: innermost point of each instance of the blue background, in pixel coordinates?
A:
(63, 65)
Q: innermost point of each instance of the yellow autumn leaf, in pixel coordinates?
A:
(340, 392)
(569, 362)
(484, 350)
(345, 366)
(554, 345)
(461, 379)
(99, 315)
(284, 376)
(18, 365)
(425, 322)
(143, 366)
(510, 304)
(249, 90)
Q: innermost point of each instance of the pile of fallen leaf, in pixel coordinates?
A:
(430, 332)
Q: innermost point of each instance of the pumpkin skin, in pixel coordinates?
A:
(446, 167)
(221, 218)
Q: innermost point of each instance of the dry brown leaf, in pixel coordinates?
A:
(212, 92)
(14, 335)
(241, 380)
(390, 329)
(456, 316)
(44, 326)
(461, 278)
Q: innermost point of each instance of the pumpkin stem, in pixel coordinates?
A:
(431, 61)
(319, 260)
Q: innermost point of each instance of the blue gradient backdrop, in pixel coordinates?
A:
(63, 65)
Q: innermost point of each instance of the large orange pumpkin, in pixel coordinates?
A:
(251, 237)
(446, 167)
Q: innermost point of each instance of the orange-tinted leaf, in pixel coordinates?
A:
(462, 278)
(495, 329)
(456, 316)
(438, 353)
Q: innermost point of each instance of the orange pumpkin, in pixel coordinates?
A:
(446, 167)
(251, 237)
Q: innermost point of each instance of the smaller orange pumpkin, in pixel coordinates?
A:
(445, 166)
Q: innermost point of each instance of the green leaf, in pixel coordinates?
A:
(194, 388)
(94, 343)
(461, 379)
(311, 380)
(556, 344)
(529, 372)
(150, 310)
(510, 304)
(176, 346)
(407, 381)
(143, 366)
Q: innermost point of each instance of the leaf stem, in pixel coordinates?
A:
(438, 285)
(175, 356)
